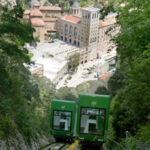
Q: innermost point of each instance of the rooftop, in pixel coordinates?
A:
(37, 22)
(72, 19)
(107, 22)
(36, 13)
(91, 9)
(26, 12)
(52, 66)
(50, 8)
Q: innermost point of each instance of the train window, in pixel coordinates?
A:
(62, 120)
(92, 121)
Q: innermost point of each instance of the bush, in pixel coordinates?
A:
(6, 128)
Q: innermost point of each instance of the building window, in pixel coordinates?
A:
(65, 39)
(92, 16)
(75, 42)
(78, 43)
(75, 32)
(66, 29)
(70, 41)
(70, 30)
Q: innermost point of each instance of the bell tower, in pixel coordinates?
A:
(76, 9)
(89, 30)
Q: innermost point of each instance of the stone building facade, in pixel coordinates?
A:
(37, 69)
(82, 28)
(107, 29)
(81, 31)
(41, 19)
(50, 24)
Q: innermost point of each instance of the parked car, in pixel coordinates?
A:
(51, 41)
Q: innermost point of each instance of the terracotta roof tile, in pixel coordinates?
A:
(26, 12)
(36, 22)
(36, 13)
(50, 19)
(107, 22)
(72, 19)
(50, 8)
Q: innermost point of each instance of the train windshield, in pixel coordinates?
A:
(92, 121)
(62, 120)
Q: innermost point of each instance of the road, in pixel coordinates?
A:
(84, 73)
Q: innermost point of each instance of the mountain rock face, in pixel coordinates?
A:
(18, 143)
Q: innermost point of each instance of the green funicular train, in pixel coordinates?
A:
(86, 120)
(62, 121)
(92, 118)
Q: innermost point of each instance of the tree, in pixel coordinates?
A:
(66, 93)
(115, 82)
(131, 99)
(102, 90)
(16, 90)
(73, 62)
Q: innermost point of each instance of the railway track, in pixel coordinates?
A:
(56, 146)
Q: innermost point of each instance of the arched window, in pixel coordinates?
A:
(66, 28)
(75, 32)
(78, 43)
(65, 39)
(70, 30)
(70, 41)
(92, 16)
(75, 42)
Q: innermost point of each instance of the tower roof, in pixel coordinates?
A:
(76, 4)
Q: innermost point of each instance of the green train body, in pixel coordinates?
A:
(92, 118)
(62, 119)
(89, 123)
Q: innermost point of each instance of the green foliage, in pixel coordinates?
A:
(130, 88)
(144, 133)
(42, 110)
(49, 16)
(86, 3)
(115, 82)
(54, 36)
(6, 128)
(102, 90)
(73, 62)
(66, 93)
(24, 99)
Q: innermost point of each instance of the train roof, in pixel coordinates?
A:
(94, 100)
(94, 95)
(63, 101)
